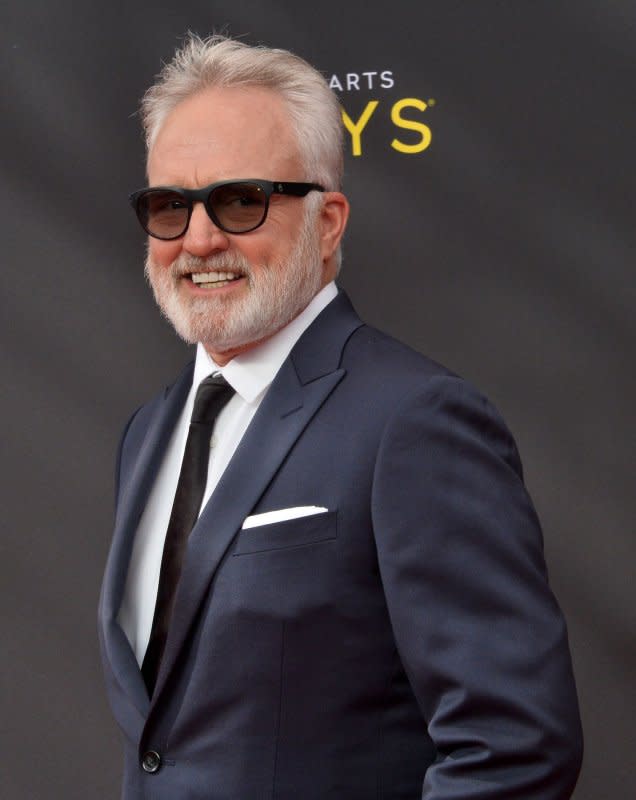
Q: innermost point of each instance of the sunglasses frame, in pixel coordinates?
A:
(190, 196)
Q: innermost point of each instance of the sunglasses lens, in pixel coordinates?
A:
(163, 214)
(238, 207)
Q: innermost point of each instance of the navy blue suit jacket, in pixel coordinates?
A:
(405, 644)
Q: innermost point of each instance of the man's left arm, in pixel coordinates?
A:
(479, 632)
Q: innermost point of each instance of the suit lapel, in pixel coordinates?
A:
(302, 385)
(131, 505)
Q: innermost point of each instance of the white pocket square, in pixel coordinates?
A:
(280, 515)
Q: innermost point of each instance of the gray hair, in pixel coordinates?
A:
(221, 62)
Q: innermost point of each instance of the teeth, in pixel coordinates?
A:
(213, 285)
(213, 278)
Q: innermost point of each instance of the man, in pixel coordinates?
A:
(361, 608)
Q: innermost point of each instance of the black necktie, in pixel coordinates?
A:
(213, 393)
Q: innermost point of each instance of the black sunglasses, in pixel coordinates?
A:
(234, 206)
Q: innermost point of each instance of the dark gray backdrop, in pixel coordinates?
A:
(504, 249)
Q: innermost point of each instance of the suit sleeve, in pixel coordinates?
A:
(120, 449)
(478, 630)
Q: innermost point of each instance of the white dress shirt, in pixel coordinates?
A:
(250, 375)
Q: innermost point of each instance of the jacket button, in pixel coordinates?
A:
(151, 761)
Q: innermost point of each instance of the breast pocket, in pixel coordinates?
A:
(284, 570)
(292, 533)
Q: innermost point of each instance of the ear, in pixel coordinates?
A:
(333, 221)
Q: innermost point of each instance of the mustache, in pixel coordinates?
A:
(186, 264)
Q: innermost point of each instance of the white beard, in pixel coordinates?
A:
(275, 294)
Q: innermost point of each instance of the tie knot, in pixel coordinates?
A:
(213, 393)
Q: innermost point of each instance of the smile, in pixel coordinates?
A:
(211, 280)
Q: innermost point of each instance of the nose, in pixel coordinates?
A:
(203, 237)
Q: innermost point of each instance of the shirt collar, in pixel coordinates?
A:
(250, 373)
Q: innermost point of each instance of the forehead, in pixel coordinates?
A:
(226, 133)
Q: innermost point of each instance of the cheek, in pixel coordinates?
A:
(163, 253)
